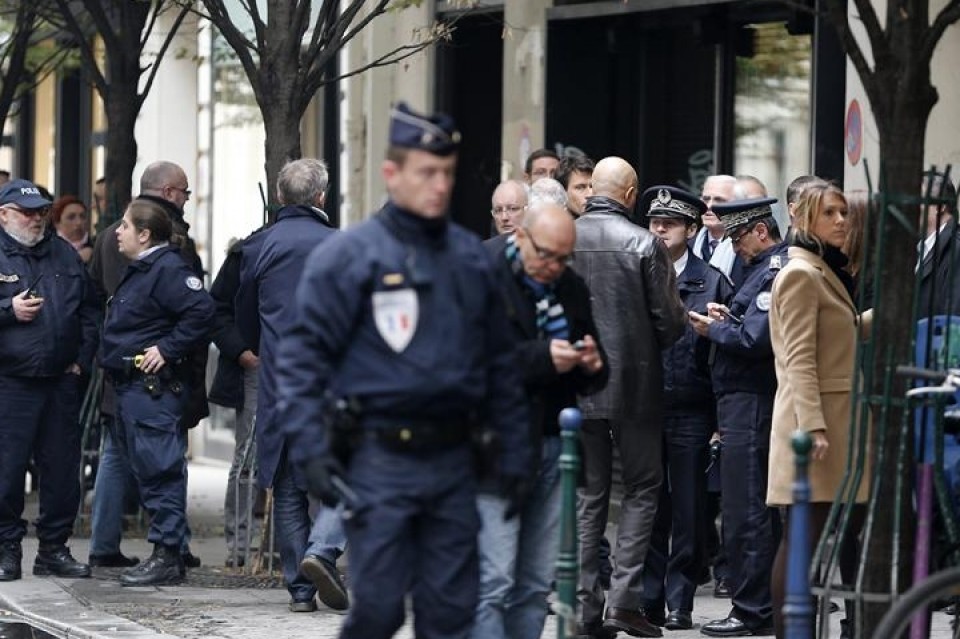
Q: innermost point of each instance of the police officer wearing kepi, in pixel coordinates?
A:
(400, 350)
(48, 334)
(158, 314)
(745, 382)
(672, 568)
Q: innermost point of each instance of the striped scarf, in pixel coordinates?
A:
(551, 320)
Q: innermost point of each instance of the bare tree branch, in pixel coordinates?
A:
(16, 47)
(837, 11)
(184, 10)
(147, 30)
(259, 26)
(86, 49)
(950, 14)
(875, 34)
(240, 43)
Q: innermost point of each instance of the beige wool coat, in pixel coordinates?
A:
(814, 328)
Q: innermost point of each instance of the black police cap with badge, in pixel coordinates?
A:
(23, 194)
(673, 202)
(743, 212)
(436, 134)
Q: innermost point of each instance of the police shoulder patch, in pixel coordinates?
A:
(193, 283)
(13, 277)
(763, 301)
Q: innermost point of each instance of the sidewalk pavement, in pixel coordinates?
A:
(101, 608)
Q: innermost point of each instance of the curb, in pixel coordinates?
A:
(65, 615)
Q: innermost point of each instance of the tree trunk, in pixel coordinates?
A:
(902, 128)
(121, 110)
(281, 122)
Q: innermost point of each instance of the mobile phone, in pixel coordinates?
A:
(32, 291)
(579, 345)
(726, 313)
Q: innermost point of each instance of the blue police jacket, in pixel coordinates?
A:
(403, 314)
(159, 302)
(64, 332)
(686, 364)
(267, 292)
(744, 358)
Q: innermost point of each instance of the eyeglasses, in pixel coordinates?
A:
(736, 240)
(186, 192)
(510, 210)
(549, 256)
(41, 212)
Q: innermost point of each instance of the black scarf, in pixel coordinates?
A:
(833, 256)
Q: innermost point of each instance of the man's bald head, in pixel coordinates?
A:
(167, 181)
(614, 178)
(546, 240)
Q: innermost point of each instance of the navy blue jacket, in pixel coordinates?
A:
(227, 387)
(159, 302)
(744, 358)
(64, 332)
(549, 391)
(460, 357)
(267, 292)
(686, 364)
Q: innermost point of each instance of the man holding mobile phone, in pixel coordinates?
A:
(40, 388)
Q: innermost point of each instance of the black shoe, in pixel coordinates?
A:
(303, 606)
(190, 560)
(163, 567)
(594, 630)
(722, 589)
(733, 627)
(10, 557)
(632, 622)
(56, 560)
(678, 620)
(654, 614)
(116, 560)
(326, 578)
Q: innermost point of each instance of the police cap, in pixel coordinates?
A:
(670, 201)
(24, 194)
(743, 212)
(436, 134)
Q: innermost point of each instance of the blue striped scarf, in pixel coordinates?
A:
(551, 320)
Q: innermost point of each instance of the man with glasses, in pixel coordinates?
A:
(165, 184)
(509, 203)
(709, 244)
(48, 335)
(639, 314)
(560, 358)
(745, 383)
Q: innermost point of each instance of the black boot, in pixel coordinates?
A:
(56, 560)
(10, 556)
(163, 567)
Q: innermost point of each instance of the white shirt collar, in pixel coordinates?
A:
(681, 264)
(152, 249)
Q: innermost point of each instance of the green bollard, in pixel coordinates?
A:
(567, 560)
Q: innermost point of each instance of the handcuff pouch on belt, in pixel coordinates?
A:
(154, 383)
(343, 418)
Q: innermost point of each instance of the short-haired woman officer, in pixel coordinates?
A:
(159, 312)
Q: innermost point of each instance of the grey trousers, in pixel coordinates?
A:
(236, 523)
(640, 446)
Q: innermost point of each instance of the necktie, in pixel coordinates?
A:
(708, 249)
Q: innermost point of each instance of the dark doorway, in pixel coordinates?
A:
(470, 88)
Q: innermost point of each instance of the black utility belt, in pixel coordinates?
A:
(421, 436)
(154, 383)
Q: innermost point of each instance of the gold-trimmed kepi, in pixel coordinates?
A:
(743, 212)
(435, 133)
(670, 201)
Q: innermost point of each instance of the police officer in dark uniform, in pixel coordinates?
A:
(672, 568)
(401, 319)
(158, 315)
(745, 382)
(48, 335)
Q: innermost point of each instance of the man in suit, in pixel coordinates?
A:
(938, 270)
(548, 306)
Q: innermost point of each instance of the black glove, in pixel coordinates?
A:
(319, 473)
(514, 490)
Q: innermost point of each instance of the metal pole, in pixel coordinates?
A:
(798, 609)
(566, 604)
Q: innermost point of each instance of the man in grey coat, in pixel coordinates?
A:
(638, 314)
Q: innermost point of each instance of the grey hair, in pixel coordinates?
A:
(159, 174)
(537, 206)
(302, 182)
(550, 190)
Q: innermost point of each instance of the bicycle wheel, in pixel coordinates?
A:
(943, 586)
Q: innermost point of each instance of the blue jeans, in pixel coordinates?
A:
(292, 519)
(517, 557)
(114, 479)
(327, 536)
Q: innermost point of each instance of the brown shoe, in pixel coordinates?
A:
(632, 622)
